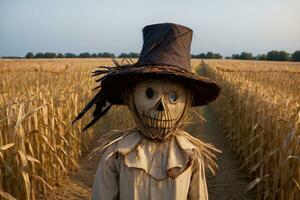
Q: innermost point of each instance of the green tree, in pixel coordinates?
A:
(235, 56)
(70, 55)
(209, 55)
(84, 55)
(273, 55)
(278, 55)
(296, 56)
(133, 55)
(108, 55)
(50, 55)
(217, 56)
(202, 55)
(130, 55)
(246, 56)
(262, 57)
(29, 55)
(60, 55)
(284, 56)
(39, 55)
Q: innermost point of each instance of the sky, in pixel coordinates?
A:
(222, 26)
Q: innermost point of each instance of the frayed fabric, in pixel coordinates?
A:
(143, 169)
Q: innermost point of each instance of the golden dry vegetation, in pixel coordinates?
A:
(259, 111)
(38, 100)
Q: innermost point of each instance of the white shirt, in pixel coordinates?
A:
(139, 169)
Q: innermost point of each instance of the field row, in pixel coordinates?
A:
(38, 101)
(260, 114)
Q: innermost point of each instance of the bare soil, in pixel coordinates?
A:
(230, 182)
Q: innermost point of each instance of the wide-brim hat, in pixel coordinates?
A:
(165, 56)
(204, 91)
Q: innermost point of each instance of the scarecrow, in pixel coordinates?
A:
(157, 159)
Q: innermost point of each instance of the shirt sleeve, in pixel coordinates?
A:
(106, 180)
(198, 187)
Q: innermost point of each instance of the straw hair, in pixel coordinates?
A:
(203, 151)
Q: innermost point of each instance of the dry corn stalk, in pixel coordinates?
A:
(38, 143)
(259, 110)
(38, 101)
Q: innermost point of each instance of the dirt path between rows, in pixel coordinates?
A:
(229, 182)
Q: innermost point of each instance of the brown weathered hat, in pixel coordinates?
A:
(165, 55)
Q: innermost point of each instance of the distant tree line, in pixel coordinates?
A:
(81, 55)
(208, 55)
(271, 55)
(69, 55)
(12, 57)
(129, 55)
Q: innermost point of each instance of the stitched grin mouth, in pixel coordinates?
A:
(156, 125)
(160, 120)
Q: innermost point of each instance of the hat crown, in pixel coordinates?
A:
(165, 55)
(166, 44)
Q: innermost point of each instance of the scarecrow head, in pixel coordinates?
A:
(158, 106)
(159, 88)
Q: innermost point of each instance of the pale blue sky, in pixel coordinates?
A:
(224, 26)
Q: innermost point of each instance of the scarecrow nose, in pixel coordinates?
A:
(160, 107)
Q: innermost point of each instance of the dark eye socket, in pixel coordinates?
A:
(173, 97)
(149, 93)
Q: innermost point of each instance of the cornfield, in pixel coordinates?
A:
(259, 111)
(38, 143)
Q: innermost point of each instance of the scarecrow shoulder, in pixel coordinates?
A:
(204, 152)
(122, 143)
(129, 142)
(184, 141)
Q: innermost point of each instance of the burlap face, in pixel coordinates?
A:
(158, 107)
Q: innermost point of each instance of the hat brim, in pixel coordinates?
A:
(204, 90)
